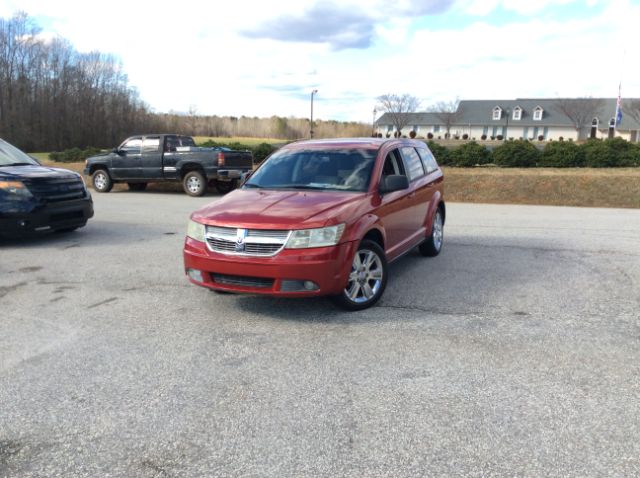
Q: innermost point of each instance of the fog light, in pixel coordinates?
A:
(309, 285)
(195, 275)
(298, 286)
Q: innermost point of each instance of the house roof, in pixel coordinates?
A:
(479, 112)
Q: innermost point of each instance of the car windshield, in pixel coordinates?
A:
(329, 169)
(12, 156)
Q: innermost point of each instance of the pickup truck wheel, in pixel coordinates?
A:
(194, 183)
(101, 181)
(368, 278)
(137, 186)
(433, 245)
(224, 187)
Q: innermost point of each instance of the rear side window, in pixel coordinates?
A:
(415, 169)
(428, 159)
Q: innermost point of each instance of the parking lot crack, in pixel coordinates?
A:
(107, 301)
(4, 290)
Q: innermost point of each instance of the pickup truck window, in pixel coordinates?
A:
(151, 144)
(328, 169)
(132, 145)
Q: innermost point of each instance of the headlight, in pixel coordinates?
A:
(195, 231)
(15, 187)
(324, 236)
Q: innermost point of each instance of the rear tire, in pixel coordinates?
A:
(433, 245)
(224, 187)
(367, 279)
(137, 186)
(194, 183)
(101, 181)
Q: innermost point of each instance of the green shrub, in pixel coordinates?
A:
(611, 153)
(561, 155)
(261, 151)
(516, 154)
(469, 155)
(442, 154)
(73, 155)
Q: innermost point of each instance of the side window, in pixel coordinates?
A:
(132, 145)
(151, 144)
(415, 169)
(429, 161)
(392, 164)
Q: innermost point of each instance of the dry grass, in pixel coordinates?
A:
(558, 187)
(615, 187)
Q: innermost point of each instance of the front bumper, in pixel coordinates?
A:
(326, 267)
(29, 217)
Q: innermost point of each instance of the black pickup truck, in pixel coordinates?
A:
(154, 158)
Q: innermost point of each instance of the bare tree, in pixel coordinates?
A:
(580, 111)
(397, 107)
(449, 112)
(632, 108)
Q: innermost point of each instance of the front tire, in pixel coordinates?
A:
(101, 181)
(367, 279)
(194, 183)
(433, 245)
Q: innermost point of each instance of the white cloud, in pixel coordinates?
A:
(196, 53)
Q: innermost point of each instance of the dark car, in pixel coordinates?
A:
(34, 198)
(321, 218)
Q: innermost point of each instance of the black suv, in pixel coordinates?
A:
(34, 198)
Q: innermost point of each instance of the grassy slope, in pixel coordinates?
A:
(614, 187)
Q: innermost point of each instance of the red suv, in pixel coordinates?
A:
(321, 218)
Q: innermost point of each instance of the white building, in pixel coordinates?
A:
(533, 119)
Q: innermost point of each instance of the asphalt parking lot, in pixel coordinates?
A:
(516, 352)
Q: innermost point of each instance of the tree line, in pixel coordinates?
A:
(53, 97)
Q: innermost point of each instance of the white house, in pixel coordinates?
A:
(522, 118)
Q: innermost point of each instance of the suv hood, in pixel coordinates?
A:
(33, 172)
(279, 209)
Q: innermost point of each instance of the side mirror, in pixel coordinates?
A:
(393, 182)
(119, 152)
(245, 176)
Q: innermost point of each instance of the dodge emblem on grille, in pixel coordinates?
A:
(240, 236)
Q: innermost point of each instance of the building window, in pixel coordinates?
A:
(517, 113)
(416, 128)
(497, 113)
(436, 128)
(537, 114)
(595, 122)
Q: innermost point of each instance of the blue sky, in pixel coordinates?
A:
(261, 58)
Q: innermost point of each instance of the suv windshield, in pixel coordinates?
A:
(12, 156)
(330, 169)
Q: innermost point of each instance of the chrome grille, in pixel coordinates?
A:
(246, 242)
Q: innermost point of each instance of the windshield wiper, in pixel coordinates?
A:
(304, 186)
(251, 185)
(18, 164)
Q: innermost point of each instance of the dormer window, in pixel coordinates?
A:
(497, 113)
(537, 113)
(517, 113)
(595, 122)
